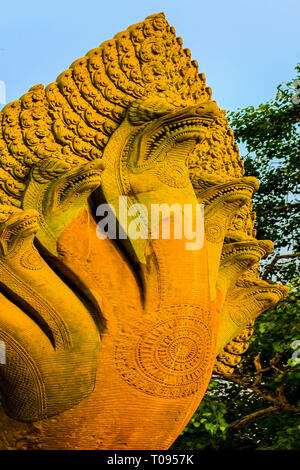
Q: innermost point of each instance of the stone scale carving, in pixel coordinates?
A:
(111, 344)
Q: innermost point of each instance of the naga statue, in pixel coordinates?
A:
(111, 343)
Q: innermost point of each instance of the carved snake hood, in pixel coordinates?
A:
(135, 118)
(144, 69)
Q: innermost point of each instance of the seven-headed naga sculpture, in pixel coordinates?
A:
(110, 342)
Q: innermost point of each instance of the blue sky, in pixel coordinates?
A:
(244, 47)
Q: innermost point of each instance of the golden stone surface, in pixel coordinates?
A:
(111, 344)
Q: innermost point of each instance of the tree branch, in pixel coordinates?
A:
(277, 397)
(274, 261)
(252, 417)
(285, 207)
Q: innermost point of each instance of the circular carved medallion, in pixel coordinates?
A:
(169, 358)
(240, 315)
(31, 260)
(214, 232)
(173, 175)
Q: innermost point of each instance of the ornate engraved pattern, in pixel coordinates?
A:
(31, 260)
(216, 158)
(72, 119)
(173, 175)
(53, 142)
(240, 316)
(169, 359)
(231, 355)
(22, 385)
(214, 232)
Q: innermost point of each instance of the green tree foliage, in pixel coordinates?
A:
(258, 406)
(271, 135)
